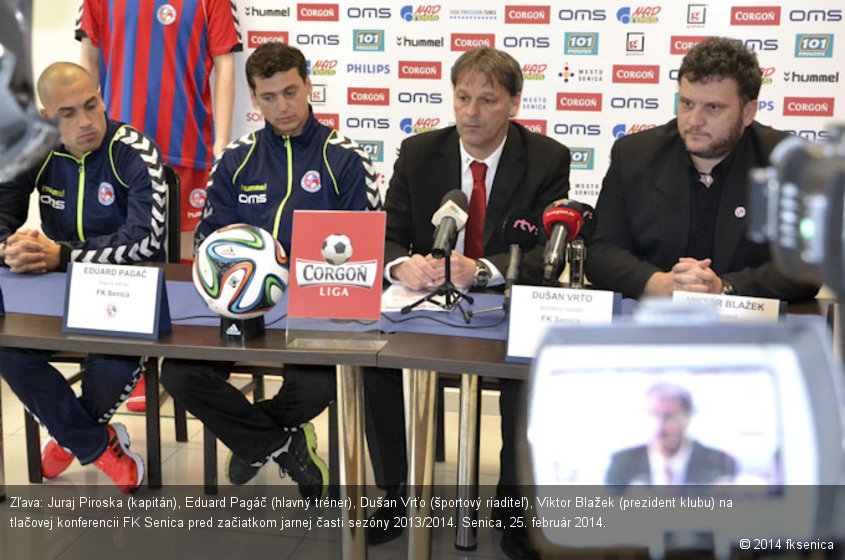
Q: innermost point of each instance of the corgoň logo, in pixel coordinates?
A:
(105, 194)
(311, 181)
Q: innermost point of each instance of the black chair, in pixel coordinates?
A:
(150, 365)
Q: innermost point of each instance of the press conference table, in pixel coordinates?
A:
(420, 355)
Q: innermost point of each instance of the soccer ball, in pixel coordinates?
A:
(241, 271)
(336, 249)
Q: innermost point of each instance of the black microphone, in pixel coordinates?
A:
(449, 219)
(521, 234)
(563, 220)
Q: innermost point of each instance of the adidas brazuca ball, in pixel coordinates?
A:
(336, 249)
(241, 271)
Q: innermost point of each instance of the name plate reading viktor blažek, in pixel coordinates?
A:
(534, 309)
(113, 299)
(734, 308)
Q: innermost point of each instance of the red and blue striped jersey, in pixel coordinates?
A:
(155, 60)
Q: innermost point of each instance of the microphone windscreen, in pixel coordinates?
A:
(569, 213)
(458, 197)
(520, 229)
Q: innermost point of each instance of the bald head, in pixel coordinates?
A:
(69, 94)
(60, 75)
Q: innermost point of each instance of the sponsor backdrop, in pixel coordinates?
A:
(594, 71)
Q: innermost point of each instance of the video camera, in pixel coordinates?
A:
(797, 207)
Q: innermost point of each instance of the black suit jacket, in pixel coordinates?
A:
(706, 465)
(532, 173)
(643, 212)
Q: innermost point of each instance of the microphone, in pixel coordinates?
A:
(521, 234)
(449, 219)
(563, 220)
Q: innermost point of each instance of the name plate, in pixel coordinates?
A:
(534, 309)
(116, 300)
(735, 308)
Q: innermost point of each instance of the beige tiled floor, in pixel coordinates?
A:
(182, 465)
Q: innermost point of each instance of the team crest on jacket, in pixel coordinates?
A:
(166, 14)
(311, 181)
(105, 194)
(197, 198)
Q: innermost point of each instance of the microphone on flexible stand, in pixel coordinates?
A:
(449, 219)
(521, 233)
(562, 220)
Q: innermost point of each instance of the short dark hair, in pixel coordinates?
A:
(722, 57)
(270, 58)
(495, 65)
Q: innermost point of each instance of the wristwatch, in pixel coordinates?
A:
(482, 274)
(728, 288)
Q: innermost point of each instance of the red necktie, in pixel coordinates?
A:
(474, 242)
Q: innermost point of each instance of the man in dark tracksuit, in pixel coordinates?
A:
(102, 200)
(293, 163)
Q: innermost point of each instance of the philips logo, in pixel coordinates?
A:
(635, 74)
(581, 158)
(570, 129)
(368, 40)
(411, 126)
(640, 14)
(755, 15)
(467, 41)
(368, 69)
(814, 46)
(581, 43)
(373, 148)
(579, 101)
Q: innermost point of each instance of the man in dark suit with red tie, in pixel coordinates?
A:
(502, 167)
